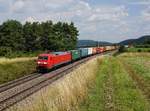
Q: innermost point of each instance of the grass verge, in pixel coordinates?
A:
(16, 68)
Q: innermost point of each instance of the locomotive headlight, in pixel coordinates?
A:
(44, 62)
(38, 62)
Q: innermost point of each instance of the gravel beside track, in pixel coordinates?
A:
(17, 90)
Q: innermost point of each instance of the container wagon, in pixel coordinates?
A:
(89, 51)
(100, 49)
(108, 48)
(94, 50)
(83, 52)
(75, 54)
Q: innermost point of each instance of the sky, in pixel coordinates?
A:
(102, 20)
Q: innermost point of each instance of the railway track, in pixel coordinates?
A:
(17, 90)
(16, 82)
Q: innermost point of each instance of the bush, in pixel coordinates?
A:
(122, 49)
(139, 50)
(8, 53)
(142, 46)
(5, 51)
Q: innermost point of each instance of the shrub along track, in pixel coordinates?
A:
(139, 80)
(21, 90)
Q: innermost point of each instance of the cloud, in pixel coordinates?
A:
(28, 6)
(108, 13)
(31, 19)
(90, 20)
(146, 14)
(18, 5)
(56, 3)
(140, 2)
(110, 22)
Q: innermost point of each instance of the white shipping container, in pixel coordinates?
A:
(108, 47)
(89, 51)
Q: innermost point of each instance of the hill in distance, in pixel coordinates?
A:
(140, 40)
(88, 43)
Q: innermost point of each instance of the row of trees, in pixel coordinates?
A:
(37, 36)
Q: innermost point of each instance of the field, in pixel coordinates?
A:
(11, 69)
(122, 84)
(132, 49)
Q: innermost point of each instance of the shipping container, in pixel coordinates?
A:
(75, 54)
(89, 51)
(100, 49)
(94, 50)
(84, 52)
(108, 48)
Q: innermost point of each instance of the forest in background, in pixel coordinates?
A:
(16, 37)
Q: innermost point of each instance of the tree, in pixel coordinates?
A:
(122, 48)
(74, 34)
(47, 33)
(32, 33)
(147, 42)
(11, 35)
(37, 36)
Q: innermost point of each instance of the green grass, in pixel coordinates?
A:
(125, 95)
(13, 70)
(138, 49)
(95, 101)
(140, 64)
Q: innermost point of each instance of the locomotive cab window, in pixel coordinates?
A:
(43, 57)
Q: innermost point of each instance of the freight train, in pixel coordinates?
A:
(53, 59)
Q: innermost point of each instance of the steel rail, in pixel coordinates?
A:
(19, 81)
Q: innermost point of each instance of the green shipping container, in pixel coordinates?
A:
(75, 54)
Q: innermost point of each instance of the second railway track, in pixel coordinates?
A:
(17, 90)
(16, 82)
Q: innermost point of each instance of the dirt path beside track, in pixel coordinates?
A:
(109, 104)
(109, 91)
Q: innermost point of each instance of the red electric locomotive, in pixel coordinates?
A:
(51, 60)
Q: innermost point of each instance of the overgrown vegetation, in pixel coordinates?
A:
(11, 69)
(31, 37)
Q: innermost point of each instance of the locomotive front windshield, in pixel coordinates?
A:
(43, 57)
